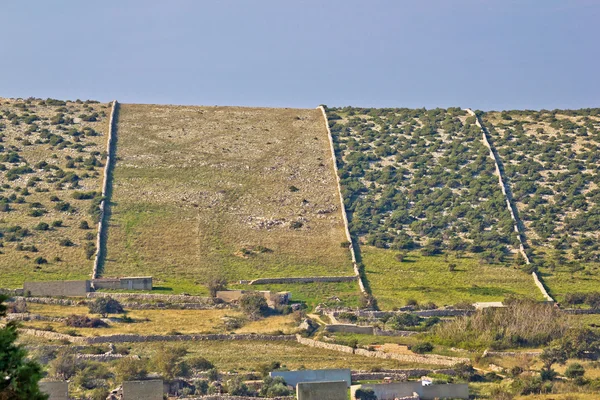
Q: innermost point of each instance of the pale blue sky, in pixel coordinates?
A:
(282, 53)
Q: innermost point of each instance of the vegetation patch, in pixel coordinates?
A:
(51, 163)
(207, 191)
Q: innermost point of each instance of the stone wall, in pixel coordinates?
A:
(294, 378)
(322, 391)
(430, 359)
(348, 328)
(509, 203)
(57, 288)
(306, 279)
(58, 390)
(147, 390)
(172, 298)
(344, 214)
(110, 159)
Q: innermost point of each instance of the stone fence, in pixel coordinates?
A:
(32, 317)
(398, 374)
(431, 359)
(582, 311)
(440, 312)
(307, 279)
(344, 214)
(172, 298)
(533, 353)
(110, 159)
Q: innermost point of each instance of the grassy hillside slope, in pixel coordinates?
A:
(422, 181)
(552, 163)
(51, 158)
(243, 192)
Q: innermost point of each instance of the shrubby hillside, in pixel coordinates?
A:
(416, 178)
(552, 161)
(51, 158)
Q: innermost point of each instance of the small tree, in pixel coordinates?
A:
(168, 361)
(365, 394)
(105, 306)
(575, 371)
(254, 305)
(130, 369)
(215, 284)
(20, 376)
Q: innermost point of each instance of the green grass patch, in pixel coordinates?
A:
(428, 279)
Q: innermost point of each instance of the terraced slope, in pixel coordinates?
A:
(552, 162)
(422, 180)
(51, 158)
(244, 192)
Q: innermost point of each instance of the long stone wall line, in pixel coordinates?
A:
(509, 203)
(308, 279)
(430, 359)
(344, 214)
(110, 158)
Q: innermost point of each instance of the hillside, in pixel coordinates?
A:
(551, 162)
(421, 185)
(239, 192)
(51, 158)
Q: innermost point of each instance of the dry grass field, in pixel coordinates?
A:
(160, 322)
(51, 159)
(241, 192)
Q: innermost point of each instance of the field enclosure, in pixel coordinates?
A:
(243, 192)
(416, 179)
(551, 162)
(51, 158)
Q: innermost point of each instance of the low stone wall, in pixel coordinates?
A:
(57, 288)
(323, 345)
(53, 335)
(107, 357)
(348, 328)
(408, 373)
(534, 353)
(32, 317)
(183, 338)
(430, 359)
(172, 298)
(440, 312)
(153, 338)
(306, 279)
(52, 300)
(343, 206)
(381, 332)
(110, 158)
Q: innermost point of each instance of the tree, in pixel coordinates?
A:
(168, 361)
(20, 376)
(365, 394)
(130, 369)
(215, 284)
(105, 306)
(575, 371)
(254, 305)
